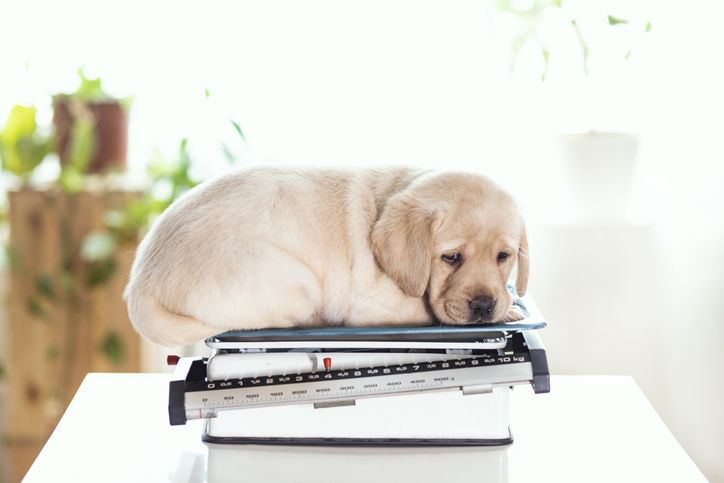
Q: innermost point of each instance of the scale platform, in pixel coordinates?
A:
(429, 385)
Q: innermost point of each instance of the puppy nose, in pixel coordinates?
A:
(482, 307)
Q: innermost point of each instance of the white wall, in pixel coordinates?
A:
(426, 83)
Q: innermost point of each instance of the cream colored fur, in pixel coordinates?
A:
(265, 248)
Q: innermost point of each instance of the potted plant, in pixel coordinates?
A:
(91, 127)
(599, 162)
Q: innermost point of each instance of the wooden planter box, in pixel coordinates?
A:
(61, 324)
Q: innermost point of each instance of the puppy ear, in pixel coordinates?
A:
(521, 282)
(402, 244)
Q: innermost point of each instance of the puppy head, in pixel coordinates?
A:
(456, 237)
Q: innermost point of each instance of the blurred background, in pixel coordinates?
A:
(604, 118)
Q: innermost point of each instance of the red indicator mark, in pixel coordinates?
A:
(172, 360)
(327, 363)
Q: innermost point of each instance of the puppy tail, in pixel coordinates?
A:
(157, 324)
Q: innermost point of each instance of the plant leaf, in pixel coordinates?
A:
(101, 271)
(20, 124)
(113, 348)
(82, 143)
(70, 180)
(11, 259)
(228, 154)
(89, 89)
(648, 26)
(584, 48)
(35, 307)
(44, 286)
(546, 63)
(237, 127)
(616, 21)
(67, 281)
(23, 149)
(52, 352)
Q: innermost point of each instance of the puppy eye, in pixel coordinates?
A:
(452, 258)
(502, 256)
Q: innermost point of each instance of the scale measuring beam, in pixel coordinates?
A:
(193, 395)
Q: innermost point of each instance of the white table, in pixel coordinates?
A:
(596, 428)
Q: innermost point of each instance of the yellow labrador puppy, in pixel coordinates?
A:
(265, 248)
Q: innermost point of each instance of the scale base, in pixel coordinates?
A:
(389, 464)
(446, 418)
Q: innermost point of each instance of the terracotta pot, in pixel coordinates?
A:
(111, 131)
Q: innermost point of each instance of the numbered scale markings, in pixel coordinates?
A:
(204, 398)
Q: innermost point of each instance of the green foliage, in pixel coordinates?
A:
(22, 147)
(238, 130)
(228, 154)
(616, 21)
(530, 15)
(90, 90)
(82, 145)
(80, 152)
(113, 348)
(585, 51)
(125, 224)
(52, 352)
(171, 178)
(44, 287)
(9, 257)
(67, 281)
(98, 249)
(35, 308)
(546, 62)
(99, 272)
(171, 173)
(44, 291)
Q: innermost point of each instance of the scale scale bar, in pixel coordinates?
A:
(271, 380)
(205, 403)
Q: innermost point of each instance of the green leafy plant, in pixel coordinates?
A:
(531, 15)
(170, 178)
(81, 147)
(22, 146)
(112, 347)
(80, 151)
(91, 90)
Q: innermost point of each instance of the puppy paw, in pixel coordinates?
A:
(513, 315)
